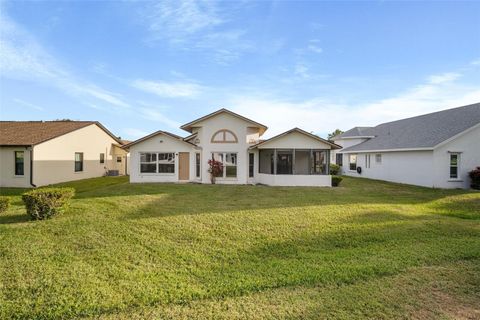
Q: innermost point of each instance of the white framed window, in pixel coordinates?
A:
(19, 163)
(339, 159)
(454, 165)
(197, 165)
(230, 165)
(163, 162)
(78, 162)
(367, 160)
(251, 165)
(378, 158)
(148, 162)
(166, 163)
(352, 161)
(229, 161)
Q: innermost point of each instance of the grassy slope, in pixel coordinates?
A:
(367, 249)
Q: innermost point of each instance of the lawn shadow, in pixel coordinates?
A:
(17, 218)
(196, 199)
(463, 207)
(12, 191)
(191, 199)
(377, 216)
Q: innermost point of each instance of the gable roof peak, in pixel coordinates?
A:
(189, 126)
(301, 131)
(156, 133)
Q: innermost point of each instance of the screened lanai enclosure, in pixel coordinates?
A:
(294, 161)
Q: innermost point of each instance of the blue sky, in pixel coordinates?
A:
(138, 67)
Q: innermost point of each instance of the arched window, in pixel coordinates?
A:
(224, 136)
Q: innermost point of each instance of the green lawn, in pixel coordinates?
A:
(367, 249)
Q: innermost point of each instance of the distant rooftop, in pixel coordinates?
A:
(355, 132)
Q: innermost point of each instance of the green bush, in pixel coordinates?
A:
(4, 204)
(334, 169)
(475, 178)
(336, 181)
(46, 202)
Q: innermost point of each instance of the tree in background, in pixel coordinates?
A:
(334, 133)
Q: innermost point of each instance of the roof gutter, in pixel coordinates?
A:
(31, 168)
(352, 137)
(385, 150)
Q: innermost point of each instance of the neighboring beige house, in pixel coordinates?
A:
(293, 158)
(38, 153)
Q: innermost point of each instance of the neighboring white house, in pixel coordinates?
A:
(432, 150)
(293, 158)
(37, 153)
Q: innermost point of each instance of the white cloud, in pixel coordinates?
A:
(225, 46)
(101, 94)
(301, 70)
(168, 89)
(315, 48)
(196, 25)
(28, 104)
(21, 57)
(475, 62)
(133, 133)
(443, 78)
(323, 116)
(157, 116)
(178, 19)
(94, 106)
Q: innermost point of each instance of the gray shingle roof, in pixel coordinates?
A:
(424, 131)
(355, 132)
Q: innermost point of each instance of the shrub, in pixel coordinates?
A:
(336, 181)
(215, 168)
(334, 169)
(475, 178)
(46, 202)
(4, 204)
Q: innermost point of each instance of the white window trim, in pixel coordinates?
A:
(199, 177)
(156, 164)
(248, 166)
(367, 160)
(224, 177)
(377, 156)
(14, 164)
(83, 163)
(459, 157)
(356, 162)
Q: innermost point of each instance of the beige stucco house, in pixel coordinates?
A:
(293, 158)
(38, 153)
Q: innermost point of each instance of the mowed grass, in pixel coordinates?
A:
(367, 249)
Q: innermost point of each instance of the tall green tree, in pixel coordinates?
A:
(334, 133)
